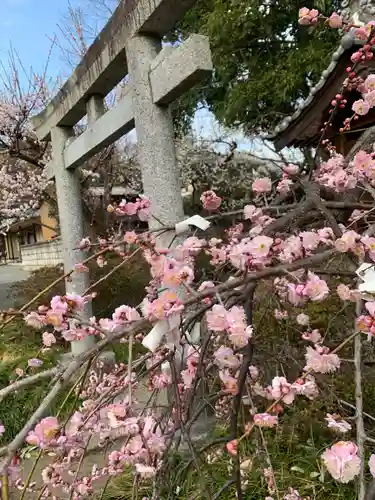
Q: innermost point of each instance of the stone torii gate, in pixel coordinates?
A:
(130, 43)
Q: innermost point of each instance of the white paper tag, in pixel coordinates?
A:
(195, 220)
(194, 336)
(153, 340)
(366, 272)
(166, 367)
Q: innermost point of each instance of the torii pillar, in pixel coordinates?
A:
(130, 42)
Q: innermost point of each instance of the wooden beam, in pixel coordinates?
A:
(104, 64)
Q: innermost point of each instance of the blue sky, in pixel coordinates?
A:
(29, 25)
(26, 25)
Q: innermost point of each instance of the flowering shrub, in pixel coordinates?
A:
(201, 334)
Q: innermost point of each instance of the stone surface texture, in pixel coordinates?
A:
(180, 69)
(71, 223)
(155, 136)
(104, 64)
(39, 255)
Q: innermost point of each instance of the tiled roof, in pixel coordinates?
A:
(346, 43)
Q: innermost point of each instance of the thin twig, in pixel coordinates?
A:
(79, 466)
(25, 382)
(49, 287)
(112, 271)
(359, 405)
(236, 404)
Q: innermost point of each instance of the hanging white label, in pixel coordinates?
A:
(195, 220)
(153, 340)
(366, 272)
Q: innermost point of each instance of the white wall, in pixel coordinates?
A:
(48, 253)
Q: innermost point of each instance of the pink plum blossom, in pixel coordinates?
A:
(232, 447)
(337, 423)
(342, 461)
(320, 360)
(48, 339)
(306, 387)
(262, 185)
(260, 246)
(370, 98)
(291, 169)
(363, 161)
(229, 382)
(282, 389)
(145, 471)
(347, 241)
(307, 16)
(361, 107)
(252, 212)
(369, 83)
(193, 245)
(225, 358)
(239, 255)
(216, 318)
(313, 336)
(167, 304)
(239, 332)
(35, 320)
(59, 305)
(371, 464)
(284, 186)
(44, 433)
(34, 363)
(295, 294)
(75, 301)
(325, 235)
(265, 420)
(335, 21)
(130, 237)
(125, 314)
(140, 207)
(210, 201)
(316, 289)
(343, 292)
(310, 240)
(291, 249)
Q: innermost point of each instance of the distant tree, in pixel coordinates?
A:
(229, 173)
(260, 56)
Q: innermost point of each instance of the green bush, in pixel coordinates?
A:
(125, 286)
(18, 342)
(295, 447)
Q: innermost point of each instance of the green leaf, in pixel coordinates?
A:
(263, 60)
(295, 468)
(315, 474)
